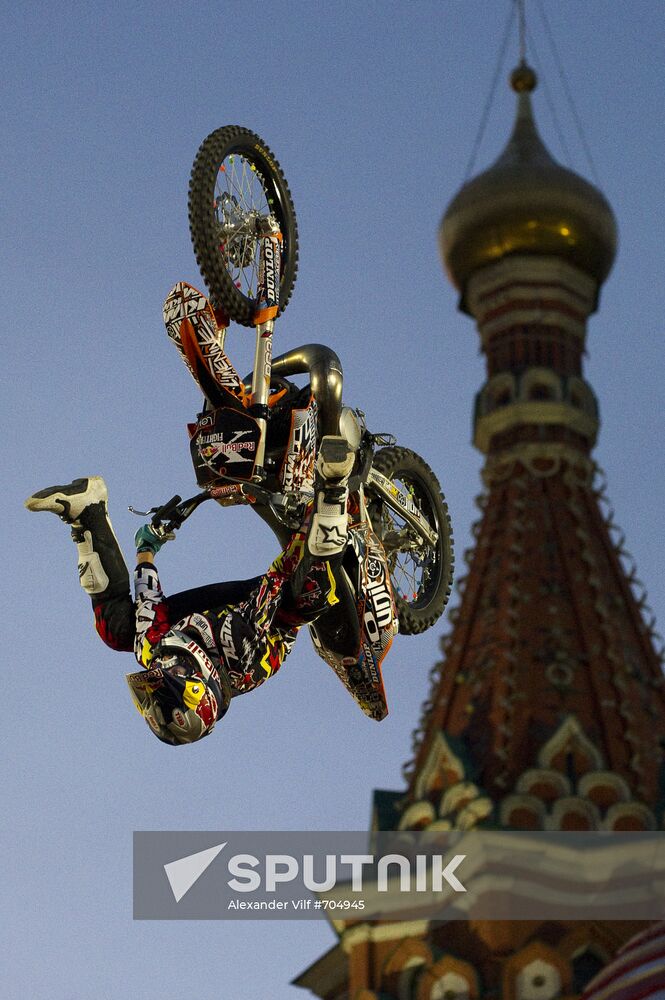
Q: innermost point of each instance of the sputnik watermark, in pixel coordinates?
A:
(250, 874)
(300, 874)
(400, 875)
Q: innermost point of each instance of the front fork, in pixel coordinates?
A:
(402, 504)
(267, 307)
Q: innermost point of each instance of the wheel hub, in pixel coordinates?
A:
(238, 229)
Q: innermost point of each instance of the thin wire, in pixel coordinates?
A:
(550, 104)
(567, 91)
(522, 29)
(488, 103)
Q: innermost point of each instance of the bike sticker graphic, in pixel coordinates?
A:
(191, 325)
(361, 674)
(297, 474)
(224, 443)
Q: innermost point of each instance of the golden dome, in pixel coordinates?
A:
(527, 203)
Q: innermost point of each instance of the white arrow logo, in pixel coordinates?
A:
(183, 873)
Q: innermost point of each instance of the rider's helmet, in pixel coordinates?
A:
(183, 693)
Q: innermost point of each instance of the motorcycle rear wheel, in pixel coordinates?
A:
(236, 179)
(421, 575)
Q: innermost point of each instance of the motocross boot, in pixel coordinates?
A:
(82, 504)
(328, 528)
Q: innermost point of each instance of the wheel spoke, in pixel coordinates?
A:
(239, 198)
(410, 562)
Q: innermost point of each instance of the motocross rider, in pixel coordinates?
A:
(202, 647)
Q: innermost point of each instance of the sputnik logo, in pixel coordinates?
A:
(183, 873)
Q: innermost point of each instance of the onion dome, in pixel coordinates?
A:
(637, 973)
(527, 203)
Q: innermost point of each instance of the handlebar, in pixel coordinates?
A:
(167, 510)
(175, 511)
(172, 514)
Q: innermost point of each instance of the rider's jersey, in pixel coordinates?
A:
(252, 637)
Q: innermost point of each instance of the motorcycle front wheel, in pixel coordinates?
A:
(421, 574)
(235, 182)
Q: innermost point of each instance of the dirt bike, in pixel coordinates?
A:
(255, 441)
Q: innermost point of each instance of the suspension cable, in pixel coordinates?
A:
(567, 91)
(522, 29)
(490, 96)
(550, 103)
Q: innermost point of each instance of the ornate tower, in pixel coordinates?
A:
(547, 711)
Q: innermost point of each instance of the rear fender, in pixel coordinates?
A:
(368, 574)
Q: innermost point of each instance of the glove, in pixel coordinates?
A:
(146, 539)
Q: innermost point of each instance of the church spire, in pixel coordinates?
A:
(549, 709)
(527, 203)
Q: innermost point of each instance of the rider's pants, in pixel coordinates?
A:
(115, 616)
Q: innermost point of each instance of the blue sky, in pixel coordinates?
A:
(372, 110)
